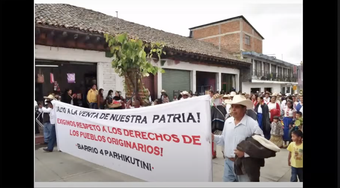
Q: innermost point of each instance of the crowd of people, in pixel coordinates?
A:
(237, 117)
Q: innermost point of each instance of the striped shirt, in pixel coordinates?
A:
(233, 134)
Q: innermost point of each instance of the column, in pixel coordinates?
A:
(100, 75)
(219, 82)
(276, 70)
(236, 81)
(262, 68)
(193, 81)
(254, 67)
(270, 68)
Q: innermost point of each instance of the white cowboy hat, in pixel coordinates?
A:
(226, 96)
(241, 100)
(227, 101)
(51, 97)
(233, 93)
(163, 91)
(266, 143)
(185, 93)
(274, 95)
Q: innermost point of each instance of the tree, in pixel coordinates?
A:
(131, 61)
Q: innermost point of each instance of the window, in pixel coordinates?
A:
(247, 39)
(255, 90)
(283, 90)
(273, 69)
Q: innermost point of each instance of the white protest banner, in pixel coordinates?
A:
(168, 142)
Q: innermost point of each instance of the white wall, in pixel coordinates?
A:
(106, 77)
(247, 85)
(170, 64)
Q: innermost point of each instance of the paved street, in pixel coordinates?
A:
(61, 167)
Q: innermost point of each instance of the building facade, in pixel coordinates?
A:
(270, 74)
(70, 38)
(234, 34)
(240, 38)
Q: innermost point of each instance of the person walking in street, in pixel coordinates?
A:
(67, 97)
(46, 118)
(295, 156)
(92, 97)
(288, 115)
(263, 116)
(218, 116)
(300, 104)
(185, 95)
(254, 99)
(276, 132)
(273, 107)
(165, 98)
(53, 138)
(109, 98)
(266, 98)
(236, 129)
(100, 99)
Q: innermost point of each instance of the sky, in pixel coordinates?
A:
(278, 21)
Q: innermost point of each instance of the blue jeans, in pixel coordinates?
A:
(53, 138)
(229, 173)
(93, 105)
(47, 131)
(297, 173)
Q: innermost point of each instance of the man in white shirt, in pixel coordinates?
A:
(236, 129)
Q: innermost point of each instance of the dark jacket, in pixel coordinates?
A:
(251, 113)
(251, 165)
(218, 114)
(265, 117)
(66, 98)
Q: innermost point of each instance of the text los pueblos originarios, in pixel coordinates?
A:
(164, 118)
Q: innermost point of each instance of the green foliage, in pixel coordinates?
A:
(129, 54)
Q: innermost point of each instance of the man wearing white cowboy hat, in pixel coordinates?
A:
(185, 95)
(46, 118)
(231, 96)
(236, 129)
(266, 97)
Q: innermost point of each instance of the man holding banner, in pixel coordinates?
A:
(236, 129)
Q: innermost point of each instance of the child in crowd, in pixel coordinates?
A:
(297, 123)
(276, 132)
(295, 157)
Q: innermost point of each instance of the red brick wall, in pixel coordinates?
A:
(230, 26)
(231, 42)
(245, 46)
(205, 32)
(246, 27)
(257, 35)
(257, 45)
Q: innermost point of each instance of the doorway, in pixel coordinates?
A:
(269, 89)
(255, 90)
